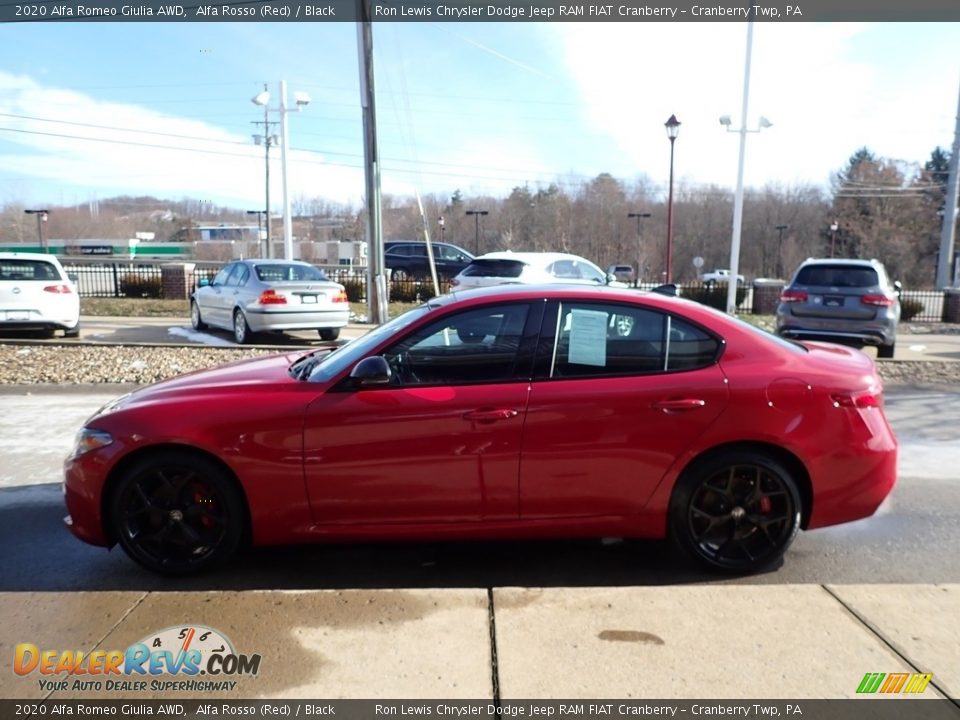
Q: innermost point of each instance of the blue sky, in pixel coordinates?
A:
(482, 107)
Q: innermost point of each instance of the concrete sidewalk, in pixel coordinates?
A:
(787, 642)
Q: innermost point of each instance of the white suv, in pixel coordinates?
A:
(36, 294)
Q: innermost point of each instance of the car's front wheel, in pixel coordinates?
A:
(329, 334)
(736, 512)
(176, 513)
(195, 320)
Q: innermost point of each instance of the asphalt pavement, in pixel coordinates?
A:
(505, 620)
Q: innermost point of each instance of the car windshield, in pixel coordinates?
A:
(494, 268)
(837, 276)
(279, 272)
(324, 367)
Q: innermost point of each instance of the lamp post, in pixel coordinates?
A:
(639, 216)
(780, 229)
(440, 223)
(268, 141)
(673, 129)
(476, 221)
(260, 214)
(834, 226)
(41, 219)
(738, 197)
(301, 100)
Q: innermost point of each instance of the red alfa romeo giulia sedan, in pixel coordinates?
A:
(507, 412)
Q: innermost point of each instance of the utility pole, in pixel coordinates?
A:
(268, 140)
(948, 230)
(376, 277)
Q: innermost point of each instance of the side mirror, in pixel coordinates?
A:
(204, 282)
(74, 278)
(897, 287)
(611, 278)
(371, 371)
(669, 289)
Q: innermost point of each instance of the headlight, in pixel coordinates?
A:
(89, 439)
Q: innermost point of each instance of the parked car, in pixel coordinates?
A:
(719, 276)
(408, 260)
(623, 273)
(252, 296)
(37, 294)
(505, 412)
(506, 268)
(846, 301)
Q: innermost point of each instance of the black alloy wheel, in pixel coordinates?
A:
(737, 513)
(176, 513)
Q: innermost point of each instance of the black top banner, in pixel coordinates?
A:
(478, 11)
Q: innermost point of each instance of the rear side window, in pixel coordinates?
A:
(494, 268)
(28, 270)
(837, 276)
(602, 340)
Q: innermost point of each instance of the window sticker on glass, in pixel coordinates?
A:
(588, 338)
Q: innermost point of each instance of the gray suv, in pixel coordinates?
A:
(845, 301)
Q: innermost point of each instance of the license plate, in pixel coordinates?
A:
(308, 299)
(833, 300)
(18, 315)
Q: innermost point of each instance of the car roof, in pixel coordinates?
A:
(531, 258)
(842, 261)
(29, 256)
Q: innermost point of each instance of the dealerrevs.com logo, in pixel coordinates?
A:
(188, 658)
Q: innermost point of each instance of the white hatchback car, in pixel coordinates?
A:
(36, 294)
(511, 268)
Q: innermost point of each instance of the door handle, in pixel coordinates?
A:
(681, 405)
(490, 415)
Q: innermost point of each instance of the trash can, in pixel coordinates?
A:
(951, 305)
(766, 295)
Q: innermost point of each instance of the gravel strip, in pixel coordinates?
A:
(94, 365)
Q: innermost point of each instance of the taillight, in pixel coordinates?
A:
(341, 296)
(862, 400)
(270, 297)
(793, 296)
(58, 289)
(881, 300)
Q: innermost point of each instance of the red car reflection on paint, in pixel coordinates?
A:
(507, 412)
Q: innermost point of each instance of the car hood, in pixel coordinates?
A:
(242, 375)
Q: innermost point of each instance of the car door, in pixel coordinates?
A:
(619, 392)
(441, 443)
(210, 298)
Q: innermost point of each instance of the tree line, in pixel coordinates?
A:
(875, 207)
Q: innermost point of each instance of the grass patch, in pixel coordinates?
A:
(150, 307)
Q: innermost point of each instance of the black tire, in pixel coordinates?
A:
(736, 512)
(242, 333)
(329, 334)
(195, 320)
(176, 513)
(72, 332)
(885, 352)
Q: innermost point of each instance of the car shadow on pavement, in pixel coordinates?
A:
(40, 554)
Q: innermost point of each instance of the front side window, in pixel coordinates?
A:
(221, 277)
(239, 276)
(602, 339)
(476, 346)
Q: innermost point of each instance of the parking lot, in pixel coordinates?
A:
(515, 620)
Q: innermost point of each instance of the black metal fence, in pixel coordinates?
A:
(118, 279)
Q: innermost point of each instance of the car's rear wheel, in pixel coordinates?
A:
(885, 352)
(737, 512)
(241, 331)
(400, 274)
(72, 332)
(195, 320)
(329, 333)
(176, 513)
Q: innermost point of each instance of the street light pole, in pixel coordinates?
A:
(259, 214)
(834, 226)
(673, 129)
(780, 229)
(639, 216)
(441, 223)
(41, 219)
(476, 222)
(268, 140)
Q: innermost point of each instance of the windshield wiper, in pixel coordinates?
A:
(301, 368)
